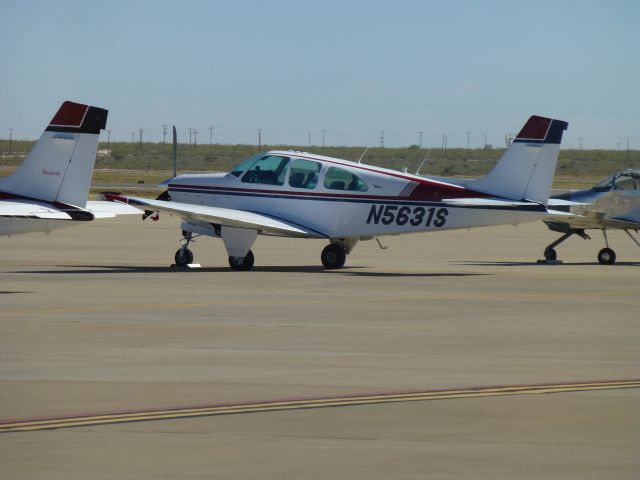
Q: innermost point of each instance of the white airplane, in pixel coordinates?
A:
(295, 194)
(49, 190)
(612, 204)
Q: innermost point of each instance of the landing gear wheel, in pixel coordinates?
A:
(183, 257)
(550, 254)
(333, 256)
(606, 256)
(242, 264)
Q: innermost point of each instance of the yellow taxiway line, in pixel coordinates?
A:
(338, 401)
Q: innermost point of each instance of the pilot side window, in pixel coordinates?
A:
(339, 179)
(269, 170)
(304, 173)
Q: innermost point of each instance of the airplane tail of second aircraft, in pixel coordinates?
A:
(60, 165)
(526, 170)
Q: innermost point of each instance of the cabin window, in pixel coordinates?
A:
(339, 179)
(624, 182)
(304, 173)
(269, 170)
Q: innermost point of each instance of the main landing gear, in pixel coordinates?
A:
(242, 264)
(333, 256)
(606, 256)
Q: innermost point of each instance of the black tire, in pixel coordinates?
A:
(333, 256)
(183, 257)
(550, 254)
(242, 265)
(606, 256)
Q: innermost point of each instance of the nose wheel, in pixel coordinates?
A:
(184, 256)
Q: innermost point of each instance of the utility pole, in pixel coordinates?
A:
(133, 137)
(195, 139)
(259, 139)
(210, 135)
(381, 138)
(164, 133)
(618, 144)
(189, 138)
(468, 136)
(324, 132)
(485, 140)
(108, 139)
(627, 150)
(580, 143)
(444, 144)
(309, 135)
(10, 139)
(140, 130)
(420, 146)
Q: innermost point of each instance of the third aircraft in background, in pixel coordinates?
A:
(613, 203)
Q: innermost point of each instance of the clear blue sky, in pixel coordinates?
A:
(350, 67)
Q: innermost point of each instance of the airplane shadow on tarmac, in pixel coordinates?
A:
(353, 271)
(543, 264)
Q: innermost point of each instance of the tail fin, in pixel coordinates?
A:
(526, 170)
(60, 165)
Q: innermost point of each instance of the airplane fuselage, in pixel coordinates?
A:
(368, 201)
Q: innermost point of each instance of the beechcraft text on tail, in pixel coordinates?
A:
(49, 190)
(295, 194)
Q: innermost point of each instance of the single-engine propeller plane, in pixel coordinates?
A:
(296, 194)
(612, 204)
(50, 188)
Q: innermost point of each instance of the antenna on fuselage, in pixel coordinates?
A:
(423, 160)
(365, 150)
(175, 150)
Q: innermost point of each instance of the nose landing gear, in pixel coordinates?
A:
(184, 256)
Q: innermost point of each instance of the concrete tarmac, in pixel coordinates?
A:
(92, 320)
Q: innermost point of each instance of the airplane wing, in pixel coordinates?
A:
(103, 209)
(223, 216)
(621, 223)
(26, 209)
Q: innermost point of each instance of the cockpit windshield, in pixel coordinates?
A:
(241, 167)
(627, 180)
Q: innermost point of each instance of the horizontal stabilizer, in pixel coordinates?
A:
(488, 202)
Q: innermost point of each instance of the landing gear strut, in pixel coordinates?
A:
(184, 256)
(606, 256)
(550, 253)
